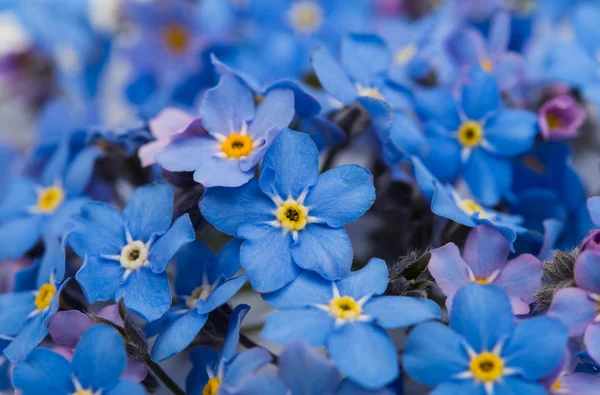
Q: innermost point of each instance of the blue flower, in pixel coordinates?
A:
(483, 350)
(97, 364)
(238, 136)
(475, 137)
(125, 255)
(229, 373)
(25, 313)
(349, 317)
(448, 203)
(203, 283)
(4, 368)
(292, 218)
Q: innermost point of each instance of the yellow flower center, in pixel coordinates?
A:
(200, 293)
(553, 121)
(487, 65)
(470, 208)
(556, 386)
(482, 281)
(470, 134)
(211, 387)
(306, 17)
(405, 54)
(237, 146)
(83, 392)
(292, 215)
(487, 367)
(44, 297)
(345, 308)
(371, 92)
(134, 255)
(49, 199)
(176, 38)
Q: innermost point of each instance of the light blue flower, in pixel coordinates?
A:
(126, 254)
(203, 283)
(238, 136)
(349, 318)
(229, 373)
(97, 364)
(292, 218)
(484, 350)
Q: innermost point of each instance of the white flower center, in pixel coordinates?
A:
(134, 255)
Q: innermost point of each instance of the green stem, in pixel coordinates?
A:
(163, 376)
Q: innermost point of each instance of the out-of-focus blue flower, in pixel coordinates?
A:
(565, 380)
(448, 203)
(203, 283)
(475, 137)
(348, 317)
(229, 373)
(25, 312)
(292, 218)
(97, 364)
(238, 137)
(484, 261)
(5, 365)
(469, 48)
(298, 362)
(126, 254)
(483, 351)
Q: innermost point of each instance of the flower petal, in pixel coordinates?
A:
(166, 246)
(522, 277)
(221, 294)
(341, 195)
(591, 340)
(448, 268)
(67, 327)
(188, 153)
(587, 271)
(146, 293)
(332, 76)
(14, 309)
(325, 250)
(177, 335)
(480, 95)
(276, 110)
(370, 280)
(393, 312)
(489, 178)
(511, 132)
(19, 235)
(99, 278)
(309, 288)
(365, 354)
(311, 325)
(244, 364)
(486, 251)
(366, 57)
(127, 387)
(99, 229)
(43, 371)
(149, 211)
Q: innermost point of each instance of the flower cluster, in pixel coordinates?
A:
(402, 190)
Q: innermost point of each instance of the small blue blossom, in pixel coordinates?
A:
(238, 136)
(126, 254)
(348, 317)
(97, 364)
(203, 283)
(229, 373)
(292, 218)
(483, 350)
(475, 137)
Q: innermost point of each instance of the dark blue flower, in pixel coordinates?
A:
(349, 317)
(203, 283)
(126, 254)
(229, 373)
(292, 218)
(238, 136)
(97, 364)
(475, 137)
(483, 351)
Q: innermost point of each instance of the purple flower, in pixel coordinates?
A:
(560, 118)
(564, 380)
(67, 327)
(592, 242)
(484, 261)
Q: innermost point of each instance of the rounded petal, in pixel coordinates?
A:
(188, 153)
(15, 307)
(406, 136)
(522, 278)
(149, 211)
(31, 335)
(434, 354)
(166, 246)
(332, 77)
(448, 268)
(99, 278)
(587, 271)
(228, 209)
(341, 195)
(67, 327)
(370, 280)
(365, 354)
(257, 385)
(325, 250)
(81, 169)
(510, 132)
(146, 294)
(19, 236)
(18, 196)
(437, 105)
(43, 372)
(480, 95)
(591, 340)
(482, 314)
(365, 56)
(536, 347)
(489, 177)
(127, 387)
(99, 229)
(244, 364)
(516, 385)
(99, 367)
(295, 159)
(593, 205)
(442, 157)
(222, 172)
(169, 122)
(307, 289)
(580, 383)
(221, 294)
(228, 261)
(486, 251)
(227, 106)
(276, 110)
(266, 257)
(201, 357)
(393, 312)
(311, 325)
(177, 335)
